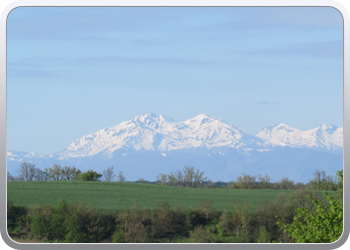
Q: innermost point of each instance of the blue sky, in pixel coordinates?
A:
(74, 71)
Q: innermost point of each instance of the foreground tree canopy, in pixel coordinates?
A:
(322, 224)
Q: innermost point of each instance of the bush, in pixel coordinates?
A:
(41, 223)
(72, 223)
(13, 214)
(118, 236)
(323, 224)
(203, 235)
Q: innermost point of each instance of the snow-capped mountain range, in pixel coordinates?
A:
(152, 132)
(161, 135)
(327, 137)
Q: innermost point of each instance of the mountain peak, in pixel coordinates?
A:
(282, 125)
(278, 126)
(324, 136)
(328, 128)
(202, 116)
(150, 118)
(144, 117)
(200, 120)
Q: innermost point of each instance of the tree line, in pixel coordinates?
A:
(287, 219)
(28, 172)
(187, 177)
(191, 177)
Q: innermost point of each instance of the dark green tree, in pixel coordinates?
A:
(70, 173)
(89, 175)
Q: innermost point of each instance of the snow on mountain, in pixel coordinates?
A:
(153, 132)
(209, 132)
(150, 144)
(20, 156)
(160, 133)
(328, 137)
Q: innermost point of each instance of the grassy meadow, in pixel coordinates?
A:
(119, 196)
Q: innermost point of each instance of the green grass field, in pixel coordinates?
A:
(118, 196)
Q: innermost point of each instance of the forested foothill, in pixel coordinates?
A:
(306, 215)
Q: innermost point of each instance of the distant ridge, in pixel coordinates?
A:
(328, 137)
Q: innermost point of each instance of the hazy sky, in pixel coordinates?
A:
(74, 71)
